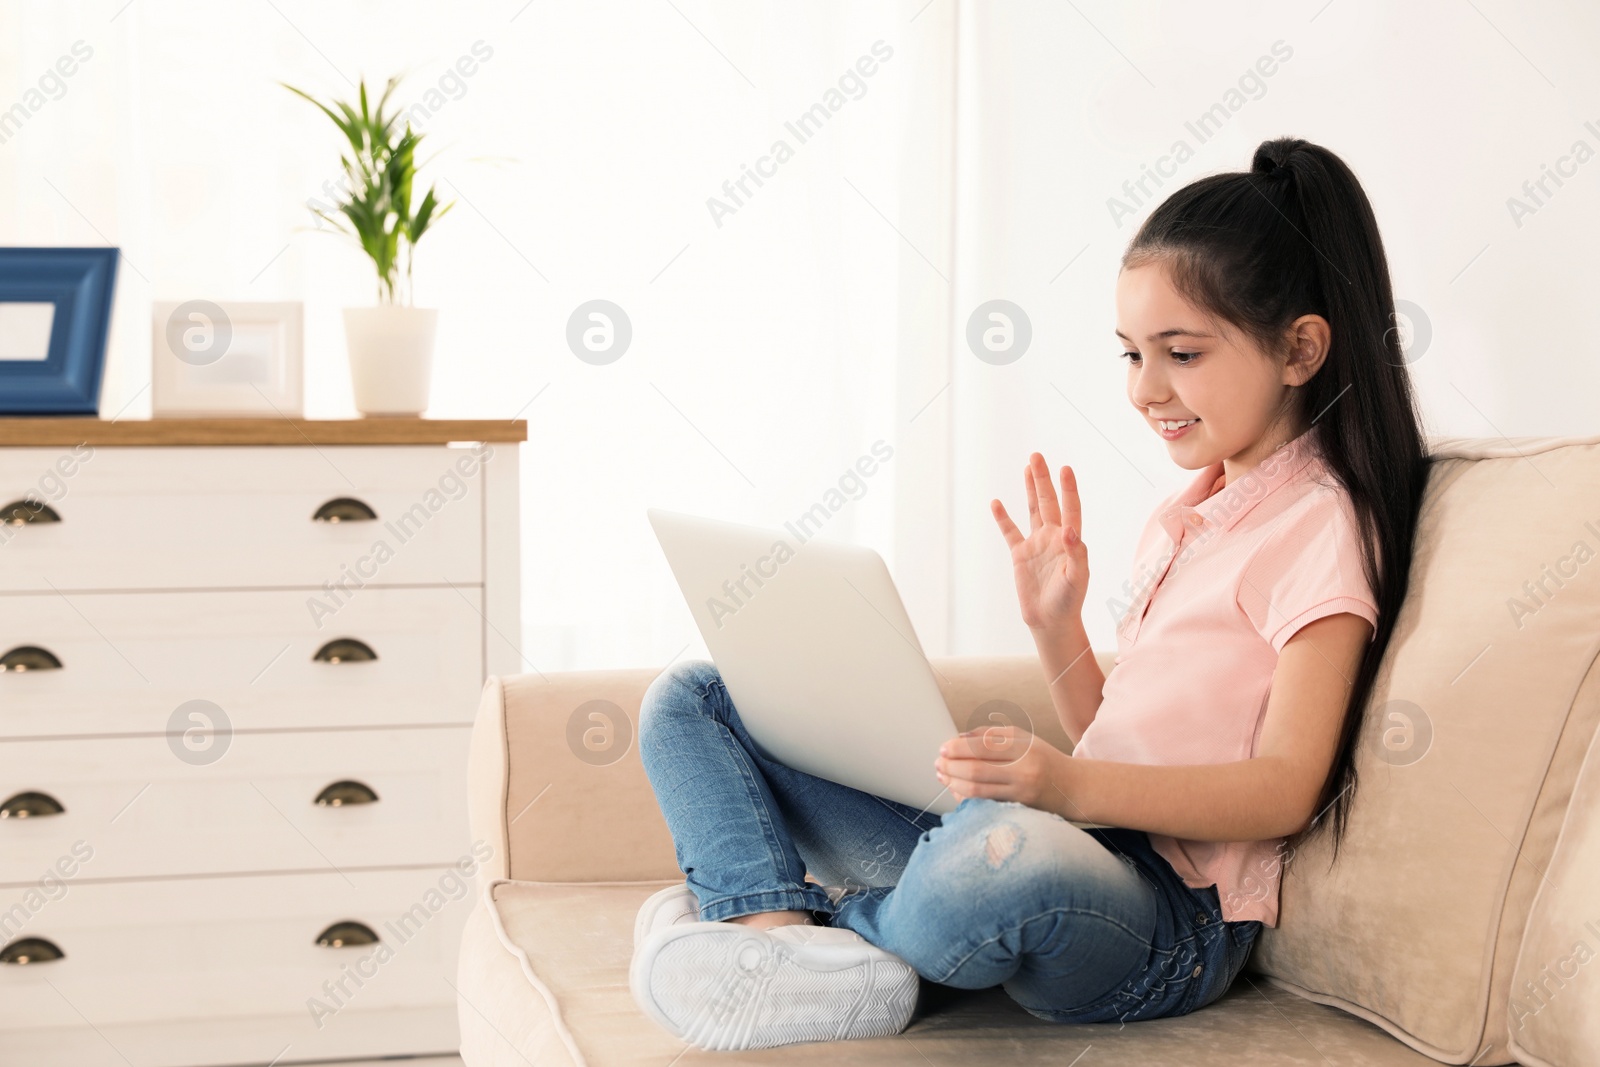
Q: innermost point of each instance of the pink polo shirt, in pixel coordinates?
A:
(1222, 579)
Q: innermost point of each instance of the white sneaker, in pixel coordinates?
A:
(725, 985)
(665, 907)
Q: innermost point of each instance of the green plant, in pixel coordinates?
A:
(374, 201)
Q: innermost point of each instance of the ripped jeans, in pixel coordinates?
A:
(1075, 925)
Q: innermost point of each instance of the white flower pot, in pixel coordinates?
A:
(391, 357)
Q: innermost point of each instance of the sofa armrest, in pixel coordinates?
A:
(557, 790)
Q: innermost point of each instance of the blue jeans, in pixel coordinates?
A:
(1076, 925)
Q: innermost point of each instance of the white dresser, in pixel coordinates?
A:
(241, 660)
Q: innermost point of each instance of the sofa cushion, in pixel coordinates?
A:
(544, 979)
(1474, 736)
(1554, 1015)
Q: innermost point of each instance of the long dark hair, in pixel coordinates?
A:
(1295, 235)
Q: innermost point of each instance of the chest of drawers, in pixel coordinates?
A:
(241, 660)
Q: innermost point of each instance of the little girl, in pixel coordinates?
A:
(1256, 316)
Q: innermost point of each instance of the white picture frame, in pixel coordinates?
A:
(227, 357)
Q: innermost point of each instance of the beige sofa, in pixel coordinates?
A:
(1461, 923)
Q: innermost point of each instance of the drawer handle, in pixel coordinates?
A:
(31, 806)
(339, 794)
(347, 934)
(28, 658)
(345, 650)
(26, 950)
(344, 509)
(24, 513)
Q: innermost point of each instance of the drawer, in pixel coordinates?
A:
(130, 660)
(214, 948)
(133, 809)
(249, 1041)
(232, 517)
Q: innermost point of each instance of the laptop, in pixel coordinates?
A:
(817, 653)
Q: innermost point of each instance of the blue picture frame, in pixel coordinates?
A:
(80, 283)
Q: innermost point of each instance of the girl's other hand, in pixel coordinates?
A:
(1051, 564)
(1004, 763)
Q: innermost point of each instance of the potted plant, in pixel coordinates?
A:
(390, 345)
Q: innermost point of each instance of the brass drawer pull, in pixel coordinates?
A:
(340, 794)
(26, 513)
(27, 950)
(31, 806)
(344, 509)
(348, 934)
(345, 650)
(29, 658)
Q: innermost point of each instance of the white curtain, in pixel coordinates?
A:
(776, 335)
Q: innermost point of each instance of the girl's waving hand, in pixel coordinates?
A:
(1050, 564)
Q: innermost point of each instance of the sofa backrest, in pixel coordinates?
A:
(1481, 719)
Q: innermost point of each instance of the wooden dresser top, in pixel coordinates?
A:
(37, 431)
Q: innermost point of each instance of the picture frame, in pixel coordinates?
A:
(55, 317)
(227, 357)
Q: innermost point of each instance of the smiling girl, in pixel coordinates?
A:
(1255, 314)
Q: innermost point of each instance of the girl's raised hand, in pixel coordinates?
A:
(1051, 564)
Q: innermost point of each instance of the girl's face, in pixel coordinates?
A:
(1183, 365)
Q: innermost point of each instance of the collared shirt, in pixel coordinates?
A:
(1223, 577)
